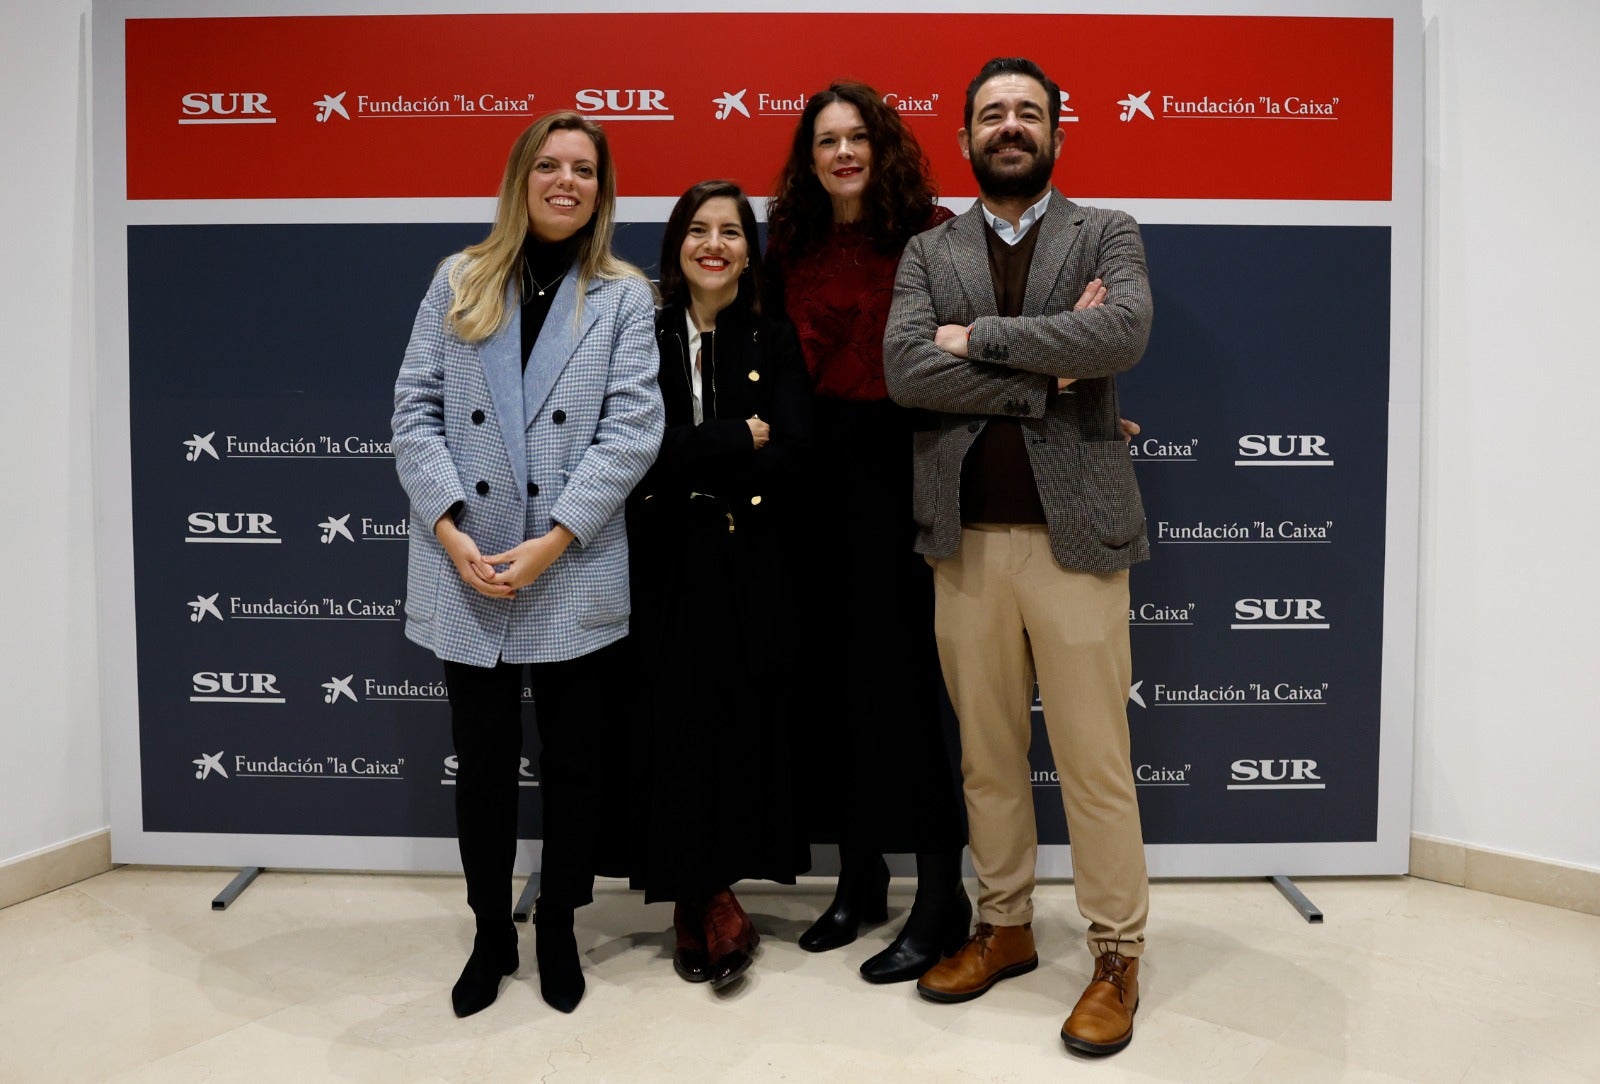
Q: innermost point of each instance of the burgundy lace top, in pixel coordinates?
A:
(837, 296)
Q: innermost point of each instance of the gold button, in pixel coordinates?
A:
(754, 375)
(756, 499)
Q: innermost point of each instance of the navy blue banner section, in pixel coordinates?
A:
(277, 694)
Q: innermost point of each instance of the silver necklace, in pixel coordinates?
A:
(533, 285)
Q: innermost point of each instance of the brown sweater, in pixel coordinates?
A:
(997, 483)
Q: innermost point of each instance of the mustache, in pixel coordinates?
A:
(1002, 142)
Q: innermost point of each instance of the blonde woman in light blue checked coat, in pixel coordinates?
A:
(526, 409)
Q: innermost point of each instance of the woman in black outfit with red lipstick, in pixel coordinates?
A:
(713, 592)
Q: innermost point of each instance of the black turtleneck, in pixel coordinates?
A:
(543, 265)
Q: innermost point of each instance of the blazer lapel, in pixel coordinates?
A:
(501, 358)
(557, 342)
(1058, 232)
(969, 253)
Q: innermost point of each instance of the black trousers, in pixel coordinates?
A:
(580, 722)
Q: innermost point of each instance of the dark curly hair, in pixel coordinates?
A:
(900, 191)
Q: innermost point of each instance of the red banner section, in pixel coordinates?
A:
(1188, 107)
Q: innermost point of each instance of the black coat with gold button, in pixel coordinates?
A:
(711, 533)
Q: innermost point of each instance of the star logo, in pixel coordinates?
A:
(730, 103)
(1134, 105)
(1134, 695)
(200, 446)
(331, 104)
(202, 606)
(208, 763)
(335, 527)
(339, 687)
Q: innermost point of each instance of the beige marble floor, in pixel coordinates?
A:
(131, 977)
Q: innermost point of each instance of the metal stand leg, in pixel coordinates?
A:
(235, 886)
(523, 912)
(1308, 910)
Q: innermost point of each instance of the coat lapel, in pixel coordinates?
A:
(501, 358)
(969, 253)
(1058, 232)
(557, 342)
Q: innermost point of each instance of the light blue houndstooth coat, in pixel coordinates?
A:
(562, 442)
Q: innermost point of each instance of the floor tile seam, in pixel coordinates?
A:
(221, 1036)
(88, 888)
(144, 1065)
(262, 987)
(141, 953)
(1456, 969)
(82, 888)
(1158, 1010)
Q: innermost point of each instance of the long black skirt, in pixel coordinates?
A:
(877, 754)
(714, 717)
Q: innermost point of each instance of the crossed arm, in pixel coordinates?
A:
(995, 366)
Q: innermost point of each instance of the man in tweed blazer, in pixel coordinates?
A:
(1009, 324)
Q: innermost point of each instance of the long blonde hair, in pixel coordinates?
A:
(478, 281)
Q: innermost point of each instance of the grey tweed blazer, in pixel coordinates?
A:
(1080, 461)
(563, 441)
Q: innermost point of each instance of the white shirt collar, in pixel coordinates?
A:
(695, 382)
(1003, 229)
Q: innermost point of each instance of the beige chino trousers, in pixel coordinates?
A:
(1005, 614)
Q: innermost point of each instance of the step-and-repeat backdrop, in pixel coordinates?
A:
(272, 194)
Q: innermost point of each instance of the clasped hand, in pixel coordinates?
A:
(524, 562)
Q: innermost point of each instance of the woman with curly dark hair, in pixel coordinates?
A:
(856, 187)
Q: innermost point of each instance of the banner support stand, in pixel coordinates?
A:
(1308, 910)
(523, 912)
(240, 882)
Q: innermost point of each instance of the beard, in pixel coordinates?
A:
(1009, 184)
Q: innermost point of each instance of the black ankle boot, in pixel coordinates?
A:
(938, 924)
(862, 896)
(494, 956)
(556, 950)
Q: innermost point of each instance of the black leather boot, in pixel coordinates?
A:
(862, 896)
(556, 948)
(494, 956)
(938, 924)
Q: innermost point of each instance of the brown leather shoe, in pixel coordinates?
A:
(731, 938)
(1102, 1020)
(992, 953)
(689, 958)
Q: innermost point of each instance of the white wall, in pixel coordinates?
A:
(1507, 698)
(1507, 719)
(52, 784)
